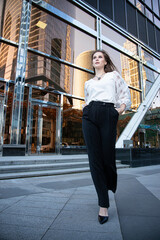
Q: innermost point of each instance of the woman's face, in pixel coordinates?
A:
(98, 60)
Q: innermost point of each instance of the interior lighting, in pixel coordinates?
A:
(41, 24)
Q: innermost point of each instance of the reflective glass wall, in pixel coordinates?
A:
(45, 73)
(139, 18)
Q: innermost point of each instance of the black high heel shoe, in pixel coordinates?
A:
(102, 219)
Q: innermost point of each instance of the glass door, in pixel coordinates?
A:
(43, 129)
(48, 130)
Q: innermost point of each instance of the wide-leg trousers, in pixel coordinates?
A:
(99, 123)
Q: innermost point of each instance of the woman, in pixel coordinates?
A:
(106, 96)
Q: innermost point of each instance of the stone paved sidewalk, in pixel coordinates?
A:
(65, 207)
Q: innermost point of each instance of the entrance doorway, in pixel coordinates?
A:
(43, 129)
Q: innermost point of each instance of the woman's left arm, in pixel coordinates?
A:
(121, 108)
(123, 97)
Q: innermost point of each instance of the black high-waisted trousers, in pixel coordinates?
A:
(99, 124)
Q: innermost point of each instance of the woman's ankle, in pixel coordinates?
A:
(103, 211)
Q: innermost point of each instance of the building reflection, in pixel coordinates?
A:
(130, 73)
(10, 30)
(67, 81)
(58, 39)
(148, 75)
(80, 77)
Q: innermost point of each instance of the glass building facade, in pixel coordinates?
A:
(45, 59)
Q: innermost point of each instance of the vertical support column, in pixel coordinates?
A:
(39, 129)
(141, 74)
(20, 74)
(59, 121)
(99, 42)
(29, 121)
(31, 130)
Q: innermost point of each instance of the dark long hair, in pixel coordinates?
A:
(110, 67)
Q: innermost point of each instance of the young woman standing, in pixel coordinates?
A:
(106, 96)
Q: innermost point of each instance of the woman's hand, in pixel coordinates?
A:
(121, 109)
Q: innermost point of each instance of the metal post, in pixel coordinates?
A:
(39, 129)
(29, 121)
(59, 121)
(20, 74)
(99, 42)
(141, 74)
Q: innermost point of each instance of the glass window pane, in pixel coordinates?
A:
(150, 59)
(74, 11)
(156, 101)
(131, 19)
(156, 7)
(91, 2)
(116, 37)
(140, 6)
(148, 2)
(58, 38)
(158, 37)
(85, 18)
(149, 127)
(119, 12)
(48, 130)
(132, 1)
(11, 21)
(135, 99)
(8, 61)
(128, 69)
(142, 27)
(151, 35)
(122, 123)
(106, 8)
(6, 138)
(72, 135)
(149, 14)
(126, 66)
(149, 77)
(48, 73)
(157, 22)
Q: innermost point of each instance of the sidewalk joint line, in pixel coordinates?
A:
(59, 213)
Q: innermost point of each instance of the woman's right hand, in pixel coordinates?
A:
(83, 105)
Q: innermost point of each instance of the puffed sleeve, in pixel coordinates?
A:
(122, 92)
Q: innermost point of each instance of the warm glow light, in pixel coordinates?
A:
(41, 24)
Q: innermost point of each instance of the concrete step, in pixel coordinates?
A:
(42, 173)
(119, 165)
(42, 167)
(48, 159)
(47, 165)
(5, 176)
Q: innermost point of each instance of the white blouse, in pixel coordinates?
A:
(110, 88)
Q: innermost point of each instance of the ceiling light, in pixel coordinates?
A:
(41, 24)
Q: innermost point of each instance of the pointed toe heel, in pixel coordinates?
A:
(102, 219)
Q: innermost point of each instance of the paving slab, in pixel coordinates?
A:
(12, 232)
(138, 205)
(154, 185)
(79, 235)
(25, 220)
(66, 207)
